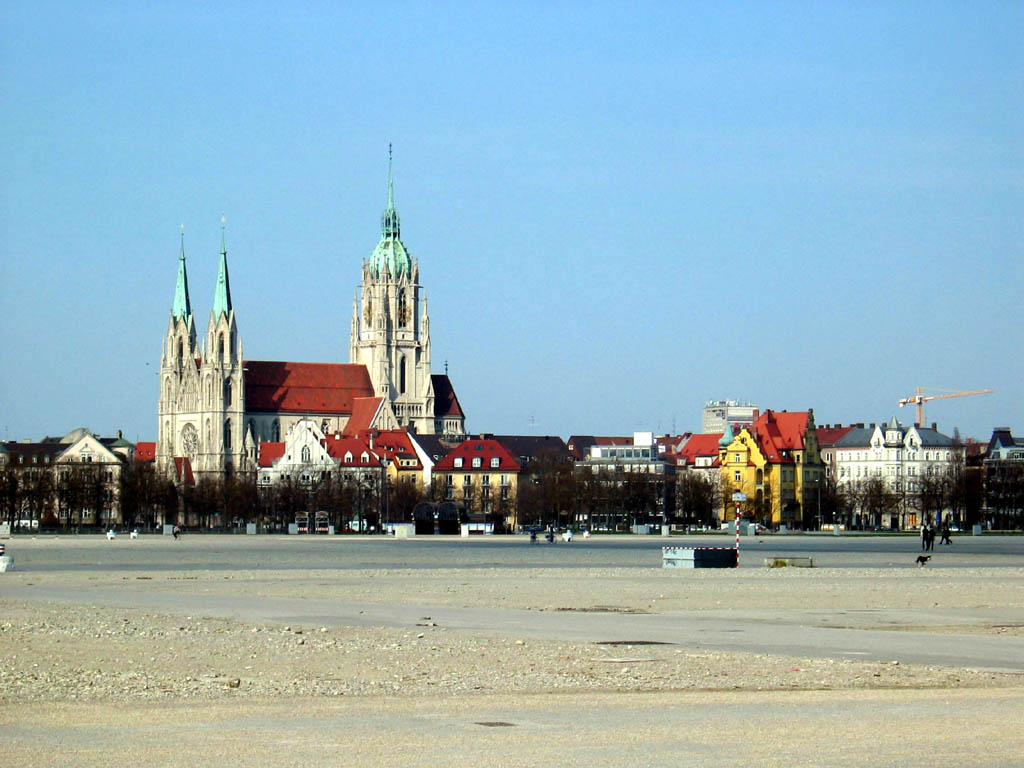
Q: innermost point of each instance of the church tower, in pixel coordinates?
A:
(390, 332)
(178, 405)
(223, 391)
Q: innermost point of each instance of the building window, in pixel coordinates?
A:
(458, 462)
(305, 454)
(736, 476)
(495, 462)
(736, 458)
(467, 480)
(476, 462)
(504, 479)
(485, 480)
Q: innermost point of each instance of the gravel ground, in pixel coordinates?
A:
(114, 657)
(62, 651)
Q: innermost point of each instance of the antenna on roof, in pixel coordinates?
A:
(445, 367)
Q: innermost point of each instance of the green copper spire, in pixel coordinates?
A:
(389, 223)
(182, 306)
(222, 296)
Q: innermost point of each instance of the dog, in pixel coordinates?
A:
(922, 559)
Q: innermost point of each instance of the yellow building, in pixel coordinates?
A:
(482, 477)
(776, 464)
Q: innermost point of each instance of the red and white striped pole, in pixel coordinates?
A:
(737, 535)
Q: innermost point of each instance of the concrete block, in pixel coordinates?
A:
(698, 557)
(789, 562)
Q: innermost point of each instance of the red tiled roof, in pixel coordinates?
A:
(483, 449)
(779, 431)
(829, 436)
(273, 387)
(705, 444)
(337, 447)
(145, 452)
(393, 443)
(445, 401)
(269, 453)
(364, 410)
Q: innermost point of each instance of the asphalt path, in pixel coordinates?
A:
(226, 552)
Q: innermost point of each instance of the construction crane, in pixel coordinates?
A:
(920, 399)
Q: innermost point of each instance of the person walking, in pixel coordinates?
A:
(945, 535)
(924, 536)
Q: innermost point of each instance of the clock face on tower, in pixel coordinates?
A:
(190, 441)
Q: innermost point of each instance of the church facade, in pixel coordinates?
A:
(216, 407)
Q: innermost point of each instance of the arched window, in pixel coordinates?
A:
(181, 351)
(221, 347)
(306, 454)
(401, 376)
(227, 435)
(227, 393)
(276, 431)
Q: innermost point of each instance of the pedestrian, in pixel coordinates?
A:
(945, 535)
(931, 537)
(924, 536)
(176, 532)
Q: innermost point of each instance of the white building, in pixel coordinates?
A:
(719, 414)
(903, 457)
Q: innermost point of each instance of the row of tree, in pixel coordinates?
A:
(549, 492)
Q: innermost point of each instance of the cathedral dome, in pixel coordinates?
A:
(391, 254)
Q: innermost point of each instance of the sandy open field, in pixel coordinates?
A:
(230, 651)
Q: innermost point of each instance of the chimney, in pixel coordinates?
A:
(935, 426)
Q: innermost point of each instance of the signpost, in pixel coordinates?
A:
(739, 498)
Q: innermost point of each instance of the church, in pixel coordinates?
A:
(216, 407)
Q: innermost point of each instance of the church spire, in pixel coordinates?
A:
(389, 223)
(222, 295)
(182, 306)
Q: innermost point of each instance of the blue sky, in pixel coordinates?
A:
(620, 210)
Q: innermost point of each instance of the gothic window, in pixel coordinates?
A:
(227, 393)
(276, 431)
(306, 454)
(181, 351)
(227, 435)
(401, 376)
(220, 348)
(403, 309)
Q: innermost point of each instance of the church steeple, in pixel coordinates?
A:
(182, 306)
(390, 227)
(222, 295)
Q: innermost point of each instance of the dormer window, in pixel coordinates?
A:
(348, 457)
(458, 462)
(365, 458)
(495, 462)
(476, 462)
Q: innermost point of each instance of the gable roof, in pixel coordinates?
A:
(483, 449)
(275, 387)
(364, 411)
(780, 431)
(337, 446)
(269, 453)
(396, 443)
(532, 447)
(445, 401)
(704, 444)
